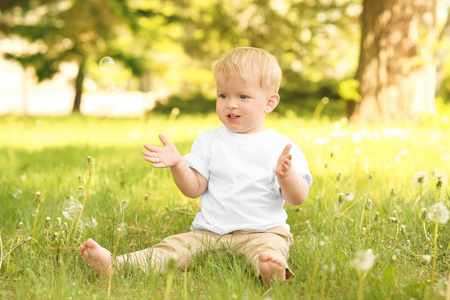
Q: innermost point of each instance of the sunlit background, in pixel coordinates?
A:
(164, 51)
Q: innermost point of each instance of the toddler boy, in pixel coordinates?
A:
(243, 172)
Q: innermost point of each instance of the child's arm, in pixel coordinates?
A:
(294, 187)
(188, 180)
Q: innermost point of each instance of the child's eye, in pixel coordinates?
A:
(223, 96)
(243, 97)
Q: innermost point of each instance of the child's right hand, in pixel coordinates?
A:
(162, 157)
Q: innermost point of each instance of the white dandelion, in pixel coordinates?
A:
(364, 260)
(438, 213)
(420, 179)
(349, 196)
(426, 258)
(442, 177)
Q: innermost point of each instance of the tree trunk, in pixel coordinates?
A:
(79, 85)
(396, 72)
(441, 54)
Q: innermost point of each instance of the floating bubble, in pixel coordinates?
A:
(17, 194)
(108, 94)
(69, 208)
(106, 64)
(92, 224)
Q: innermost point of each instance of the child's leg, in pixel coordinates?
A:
(267, 251)
(179, 247)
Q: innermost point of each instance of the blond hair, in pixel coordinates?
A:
(245, 62)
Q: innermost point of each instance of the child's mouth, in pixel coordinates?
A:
(233, 117)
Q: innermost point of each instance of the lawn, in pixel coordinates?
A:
(49, 155)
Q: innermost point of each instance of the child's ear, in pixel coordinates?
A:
(272, 102)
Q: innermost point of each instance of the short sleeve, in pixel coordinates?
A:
(300, 164)
(197, 158)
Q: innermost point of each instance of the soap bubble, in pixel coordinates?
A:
(106, 64)
(108, 94)
(17, 193)
(92, 224)
(69, 208)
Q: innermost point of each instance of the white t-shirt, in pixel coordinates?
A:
(243, 192)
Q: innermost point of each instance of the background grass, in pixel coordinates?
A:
(48, 154)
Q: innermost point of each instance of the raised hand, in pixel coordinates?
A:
(284, 162)
(162, 157)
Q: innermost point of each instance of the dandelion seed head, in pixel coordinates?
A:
(408, 243)
(426, 258)
(121, 230)
(321, 244)
(364, 260)
(420, 179)
(393, 259)
(393, 220)
(349, 196)
(438, 213)
(442, 177)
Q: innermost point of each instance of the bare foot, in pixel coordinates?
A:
(271, 268)
(96, 256)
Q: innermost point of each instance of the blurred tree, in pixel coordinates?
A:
(441, 52)
(315, 41)
(396, 70)
(67, 30)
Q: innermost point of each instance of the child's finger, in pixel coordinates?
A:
(286, 149)
(152, 159)
(159, 165)
(151, 148)
(151, 154)
(279, 173)
(164, 140)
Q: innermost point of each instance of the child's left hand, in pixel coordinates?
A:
(284, 162)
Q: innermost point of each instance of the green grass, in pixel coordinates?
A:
(47, 155)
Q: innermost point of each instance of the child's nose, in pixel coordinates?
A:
(232, 103)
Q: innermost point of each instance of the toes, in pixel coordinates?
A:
(264, 256)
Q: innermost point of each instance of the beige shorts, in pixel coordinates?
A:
(182, 247)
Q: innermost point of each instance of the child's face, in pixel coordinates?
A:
(242, 106)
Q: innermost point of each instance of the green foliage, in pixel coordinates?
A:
(195, 103)
(348, 89)
(48, 154)
(315, 43)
